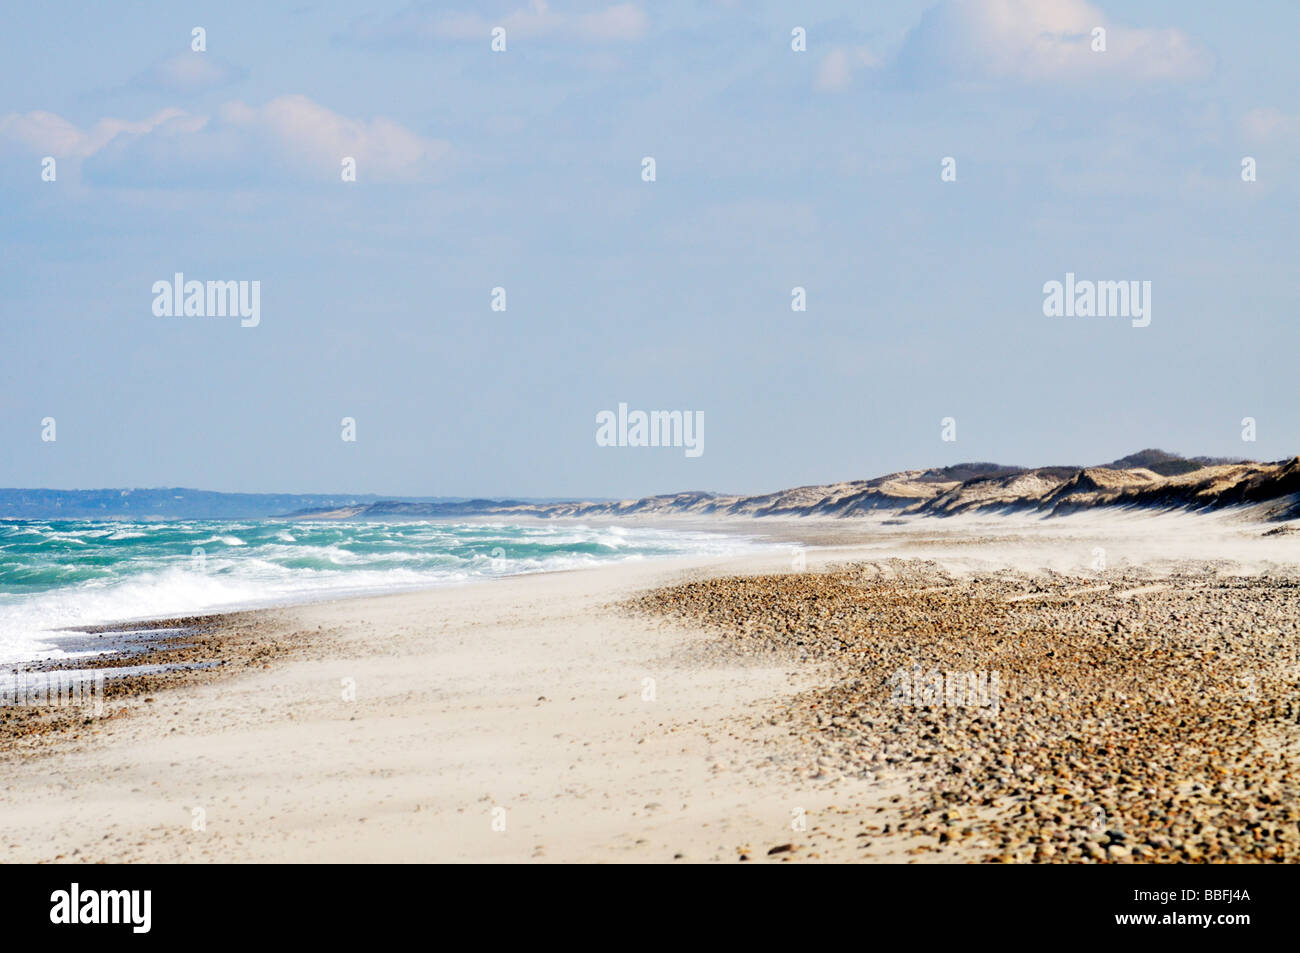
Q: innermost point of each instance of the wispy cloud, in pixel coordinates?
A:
(1267, 124)
(189, 72)
(1042, 41)
(47, 133)
(289, 135)
(424, 23)
(836, 70)
(315, 137)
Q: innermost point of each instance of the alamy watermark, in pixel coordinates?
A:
(129, 907)
(656, 428)
(1098, 299)
(913, 687)
(79, 689)
(208, 299)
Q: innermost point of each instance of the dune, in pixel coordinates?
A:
(1150, 479)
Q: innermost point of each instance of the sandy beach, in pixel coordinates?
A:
(720, 710)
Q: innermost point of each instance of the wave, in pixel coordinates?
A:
(56, 575)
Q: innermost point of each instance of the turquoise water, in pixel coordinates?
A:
(64, 573)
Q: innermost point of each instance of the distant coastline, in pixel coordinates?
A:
(1152, 479)
(1149, 479)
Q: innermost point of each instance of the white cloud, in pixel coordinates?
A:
(51, 134)
(1035, 41)
(311, 136)
(290, 133)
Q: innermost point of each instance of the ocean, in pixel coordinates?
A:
(62, 573)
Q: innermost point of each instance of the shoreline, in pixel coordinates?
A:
(486, 739)
(851, 537)
(393, 727)
(59, 637)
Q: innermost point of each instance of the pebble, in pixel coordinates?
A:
(1148, 700)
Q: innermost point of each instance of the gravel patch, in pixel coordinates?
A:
(1121, 716)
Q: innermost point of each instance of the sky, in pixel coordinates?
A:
(775, 168)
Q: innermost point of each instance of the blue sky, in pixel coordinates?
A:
(522, 169)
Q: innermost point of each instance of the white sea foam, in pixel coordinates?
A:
(130, 571)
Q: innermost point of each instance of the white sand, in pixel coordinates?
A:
(446, 726)
(449, 723)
